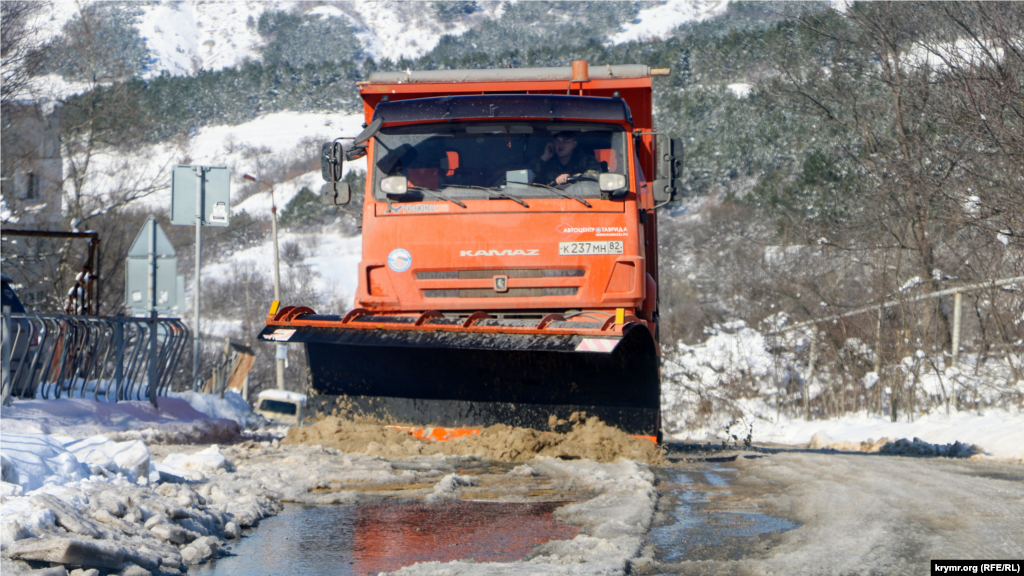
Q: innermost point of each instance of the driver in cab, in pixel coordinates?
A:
(561, 161)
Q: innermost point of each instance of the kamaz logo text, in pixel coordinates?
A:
(499, 253)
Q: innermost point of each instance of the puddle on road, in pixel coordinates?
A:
(371, 538)
(702, 525)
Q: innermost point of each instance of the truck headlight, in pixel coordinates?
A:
(395, 185)
(611, 182)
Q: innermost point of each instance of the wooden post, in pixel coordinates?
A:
(958, 301)
(878, 359)
(224, 366)
(810, 376)
(7, 347)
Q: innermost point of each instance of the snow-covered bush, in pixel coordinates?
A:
(701, 385)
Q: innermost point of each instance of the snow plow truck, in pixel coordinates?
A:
(509, 267)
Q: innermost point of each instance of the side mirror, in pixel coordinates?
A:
(667, 185)
(331, 158)
(335, 194)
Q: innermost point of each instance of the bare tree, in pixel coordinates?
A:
(19, 46)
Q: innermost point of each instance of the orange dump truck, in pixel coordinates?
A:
(509, 270)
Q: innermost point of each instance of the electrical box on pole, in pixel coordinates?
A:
(200, 196)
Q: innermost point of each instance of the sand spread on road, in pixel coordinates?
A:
(588, 438)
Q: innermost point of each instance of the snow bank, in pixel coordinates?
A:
(231, 407)
(999, 433)
(724, 389)
(130, 458)
(32, 460)
(198, 466)
(174, 421)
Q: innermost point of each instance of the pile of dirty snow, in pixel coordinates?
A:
(901, 447)
(102, 504)
(588, 438)
(231, 407)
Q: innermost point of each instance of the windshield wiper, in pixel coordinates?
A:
(562, 193)
(437, 193)
(498, 193)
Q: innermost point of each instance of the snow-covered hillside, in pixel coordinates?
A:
(186, 36)
(659, 21)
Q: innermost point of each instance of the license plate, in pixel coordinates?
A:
(589, 248)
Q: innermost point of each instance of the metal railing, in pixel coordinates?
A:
(104, 358)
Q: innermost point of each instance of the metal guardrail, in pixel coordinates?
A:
(104, 358)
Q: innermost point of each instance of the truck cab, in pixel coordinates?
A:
(463, 214)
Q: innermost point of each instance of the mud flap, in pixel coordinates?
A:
(457, 379)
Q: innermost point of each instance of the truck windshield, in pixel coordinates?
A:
(475, 160)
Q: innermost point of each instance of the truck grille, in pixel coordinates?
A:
(511, 273)
(511, 293)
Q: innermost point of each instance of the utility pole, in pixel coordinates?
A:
(153, 315)
(282, 349)
(199, 265)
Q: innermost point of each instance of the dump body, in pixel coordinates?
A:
(486, 295)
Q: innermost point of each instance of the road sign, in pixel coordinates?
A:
(136, 291)
(200, 196)
(143, 242)
(151, 271)
(214, 190)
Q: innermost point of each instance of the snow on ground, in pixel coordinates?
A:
(870, 515)
(659, 21)
(614, 524)
(174, 421)
(99, 503)
(735, 353)
(231, 407)
(999, 433)
(107, 521)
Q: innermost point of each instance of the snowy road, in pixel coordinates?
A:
(853, 514)
(388, 503)
(733, 512)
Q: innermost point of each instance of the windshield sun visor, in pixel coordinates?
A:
(553, 107)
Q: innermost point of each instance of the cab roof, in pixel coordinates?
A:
(282, 395)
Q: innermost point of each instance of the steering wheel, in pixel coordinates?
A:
(573, 180)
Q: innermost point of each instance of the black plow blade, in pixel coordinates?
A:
(459, 379)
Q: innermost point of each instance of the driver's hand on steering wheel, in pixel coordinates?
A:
(562, 179)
